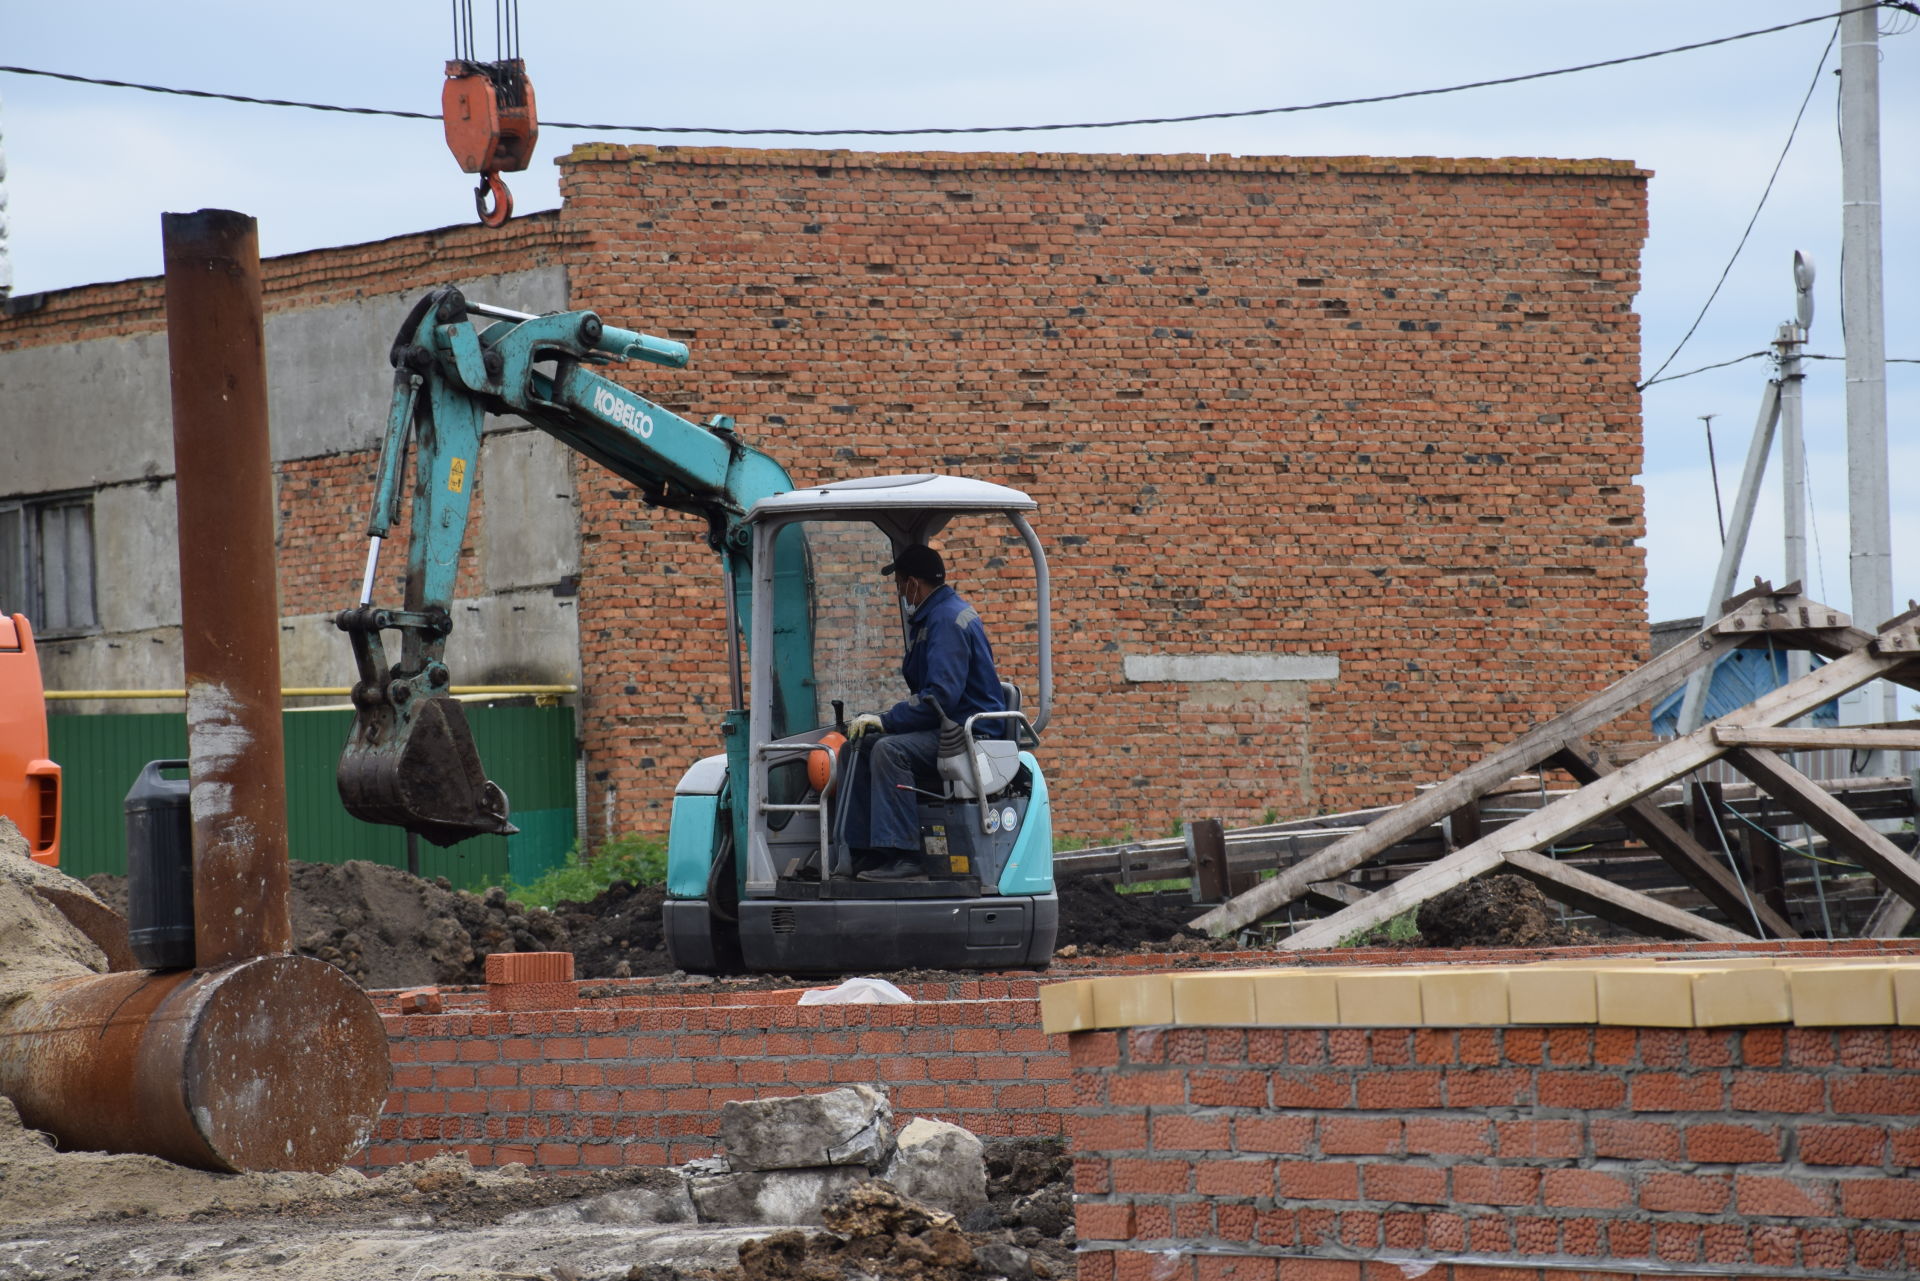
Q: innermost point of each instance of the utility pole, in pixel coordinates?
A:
(1789, 343)
(1733, 546)
(6, 258)
(1779, 407)
(1863, 313)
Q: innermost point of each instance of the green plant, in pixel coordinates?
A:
(1269, 815)
(1154, 887)
(641, 860)
(1401, 929)
(1068, 844)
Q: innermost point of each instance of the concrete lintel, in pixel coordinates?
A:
(1232, 667)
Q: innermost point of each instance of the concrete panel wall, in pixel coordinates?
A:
(136, 551)
(85, 413)
(100, 412)
(328, 379)
(514, 638)
(146, 659)
(532, 536)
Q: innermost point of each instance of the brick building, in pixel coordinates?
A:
(1335, 457)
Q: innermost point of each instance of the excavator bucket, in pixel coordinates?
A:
(421, 772)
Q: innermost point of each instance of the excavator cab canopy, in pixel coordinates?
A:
(836, 538)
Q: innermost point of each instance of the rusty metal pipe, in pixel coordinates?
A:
(271, 1063)
(229, 602)
(257, 1060)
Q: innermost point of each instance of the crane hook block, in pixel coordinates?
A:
(488, 111)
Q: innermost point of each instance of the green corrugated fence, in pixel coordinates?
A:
(529, 751)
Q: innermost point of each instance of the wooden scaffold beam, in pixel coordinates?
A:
(1782, 618)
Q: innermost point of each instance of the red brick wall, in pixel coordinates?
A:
(322, 540)
(1376, 409)
(1510, 1152)
(400, 264)
(634, 1072)
(634, 1080)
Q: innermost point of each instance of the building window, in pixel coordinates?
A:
(46, 562)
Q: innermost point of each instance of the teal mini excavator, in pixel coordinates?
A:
(758, 876)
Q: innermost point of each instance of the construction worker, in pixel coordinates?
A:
(950, 673)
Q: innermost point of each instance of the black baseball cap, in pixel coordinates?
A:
(918, 561)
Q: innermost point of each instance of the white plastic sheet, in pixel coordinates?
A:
(857, 992)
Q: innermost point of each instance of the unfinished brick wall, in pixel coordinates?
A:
(634, 1072)
(628, 1079)
(1373, 409)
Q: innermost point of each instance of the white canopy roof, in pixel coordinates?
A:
(872, 495)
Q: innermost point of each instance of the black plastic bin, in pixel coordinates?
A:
(160, 869)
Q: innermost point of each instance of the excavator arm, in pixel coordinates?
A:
(410, 759)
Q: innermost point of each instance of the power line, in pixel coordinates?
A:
(1767, 191)
(1755, 355)
(1703, 369)
(1905, 5)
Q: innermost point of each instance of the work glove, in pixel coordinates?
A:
(865, 723)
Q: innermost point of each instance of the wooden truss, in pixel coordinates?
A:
(1749, 739)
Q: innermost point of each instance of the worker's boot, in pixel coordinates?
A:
(905, 868)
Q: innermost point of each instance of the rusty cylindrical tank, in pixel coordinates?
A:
(270, 1063)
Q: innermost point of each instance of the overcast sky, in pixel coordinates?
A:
(90, 169)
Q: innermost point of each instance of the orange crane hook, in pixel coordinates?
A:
(488, 111)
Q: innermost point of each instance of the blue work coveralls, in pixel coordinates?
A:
(950, 662)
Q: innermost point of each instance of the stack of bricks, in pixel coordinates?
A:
(1295, 1153)
(530, 980)
(1379, 410)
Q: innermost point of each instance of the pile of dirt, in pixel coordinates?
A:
(388, 929)
(618, 934)
(874, 1232)
(1493, 911)
(1098, 920)
(38, 944)
(1030, 1191)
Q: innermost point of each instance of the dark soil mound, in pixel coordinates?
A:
(874, 1232)
(1095, 917)
(1493, 911)
(618, 934)
(388, 929)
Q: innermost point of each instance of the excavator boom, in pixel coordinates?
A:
(410, 759)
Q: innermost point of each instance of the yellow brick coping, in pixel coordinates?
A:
(1614, 992)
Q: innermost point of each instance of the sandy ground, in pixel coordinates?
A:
(71, 1215)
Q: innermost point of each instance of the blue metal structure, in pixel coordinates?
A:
(1739, 678)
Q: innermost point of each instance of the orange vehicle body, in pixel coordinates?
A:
(29, 782)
